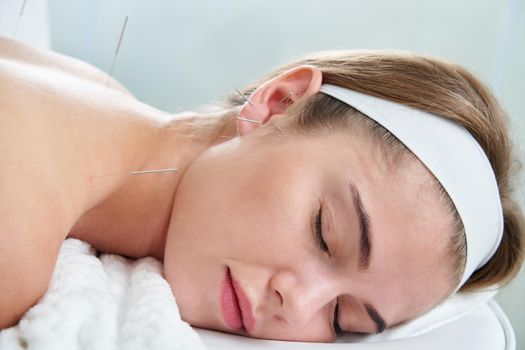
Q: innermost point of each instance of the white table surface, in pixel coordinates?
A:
(485, 328)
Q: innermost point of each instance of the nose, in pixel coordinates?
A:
(298, 298)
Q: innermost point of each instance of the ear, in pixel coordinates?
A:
(274, 96)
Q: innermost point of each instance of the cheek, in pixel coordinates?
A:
(268, 214)
(258, 216)
(256, 221)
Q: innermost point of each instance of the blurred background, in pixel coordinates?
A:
(176, 55)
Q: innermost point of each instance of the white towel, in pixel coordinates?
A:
(106, 302)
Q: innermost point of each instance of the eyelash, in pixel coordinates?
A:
(338, 331)
(319, 233)
(324, 247)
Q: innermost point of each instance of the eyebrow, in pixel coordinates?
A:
(365, 243)
(365, 250)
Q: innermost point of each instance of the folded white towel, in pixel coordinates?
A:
(106, 302)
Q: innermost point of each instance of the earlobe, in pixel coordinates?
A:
(245, 125)
(242, 129)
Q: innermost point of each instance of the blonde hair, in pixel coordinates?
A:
(423, 82)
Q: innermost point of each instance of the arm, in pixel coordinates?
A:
(35, 220)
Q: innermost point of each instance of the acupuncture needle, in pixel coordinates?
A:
(117, 50)
(257, 121)
(18, 19)
(139, 172)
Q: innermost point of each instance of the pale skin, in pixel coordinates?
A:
(248, 201)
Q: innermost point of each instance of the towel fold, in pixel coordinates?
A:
(105, 302)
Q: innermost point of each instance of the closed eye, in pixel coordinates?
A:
(324, 247)
(338, 331)
(319, 233)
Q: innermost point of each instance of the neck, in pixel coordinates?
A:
(178, 145)
(134, 220)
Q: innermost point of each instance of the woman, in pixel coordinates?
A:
(262, 211)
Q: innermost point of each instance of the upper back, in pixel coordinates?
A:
(59, 119)
(15, 51)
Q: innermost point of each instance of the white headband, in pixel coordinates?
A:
(452, 154)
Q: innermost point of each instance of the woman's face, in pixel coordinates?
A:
(249, 206)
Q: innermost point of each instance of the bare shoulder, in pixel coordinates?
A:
(59, 121)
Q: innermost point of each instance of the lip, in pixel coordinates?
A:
(235, 305)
